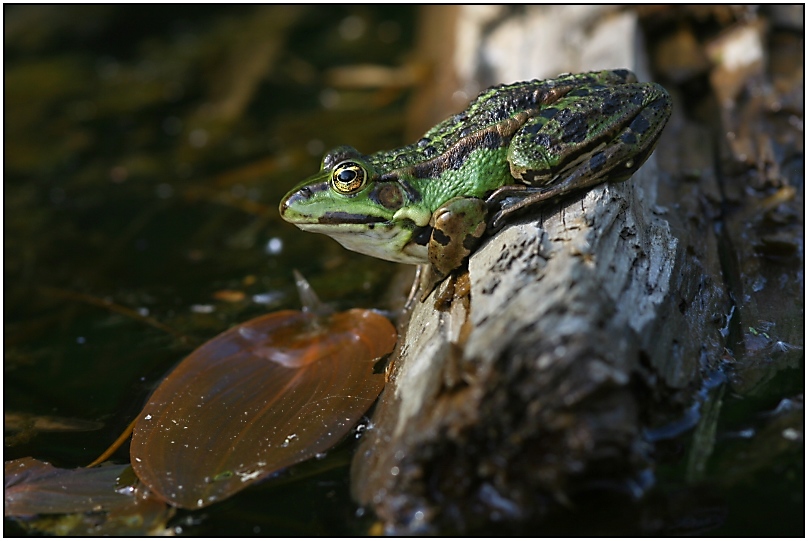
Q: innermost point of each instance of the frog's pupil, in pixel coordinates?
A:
(346, 175)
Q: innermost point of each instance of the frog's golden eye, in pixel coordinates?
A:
(348, 178)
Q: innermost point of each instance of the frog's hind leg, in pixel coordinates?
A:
(609, 156)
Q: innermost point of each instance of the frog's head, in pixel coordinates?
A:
(366, 210)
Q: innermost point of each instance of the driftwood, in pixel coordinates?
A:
(580, 327)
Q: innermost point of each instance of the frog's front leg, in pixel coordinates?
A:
(587, 137)
(457, 228)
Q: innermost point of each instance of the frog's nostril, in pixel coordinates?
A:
(302, 194)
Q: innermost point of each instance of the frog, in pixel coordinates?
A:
(515, 147)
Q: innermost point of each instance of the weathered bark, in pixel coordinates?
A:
(584, 329)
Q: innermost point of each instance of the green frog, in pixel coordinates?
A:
(515, 146)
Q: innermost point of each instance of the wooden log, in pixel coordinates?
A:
(574, 331)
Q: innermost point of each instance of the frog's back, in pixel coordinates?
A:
(491, 119)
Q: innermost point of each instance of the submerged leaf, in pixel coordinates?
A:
(259, 397)
(81, 501)
(33, 487)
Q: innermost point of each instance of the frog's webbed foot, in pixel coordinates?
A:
(511, 200)
(428, 280)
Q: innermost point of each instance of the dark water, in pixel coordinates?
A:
(146, 149)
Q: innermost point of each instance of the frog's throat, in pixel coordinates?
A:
(382, 241)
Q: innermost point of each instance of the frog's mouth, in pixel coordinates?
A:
(339, 218)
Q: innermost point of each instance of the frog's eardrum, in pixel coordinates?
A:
(259, 397)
